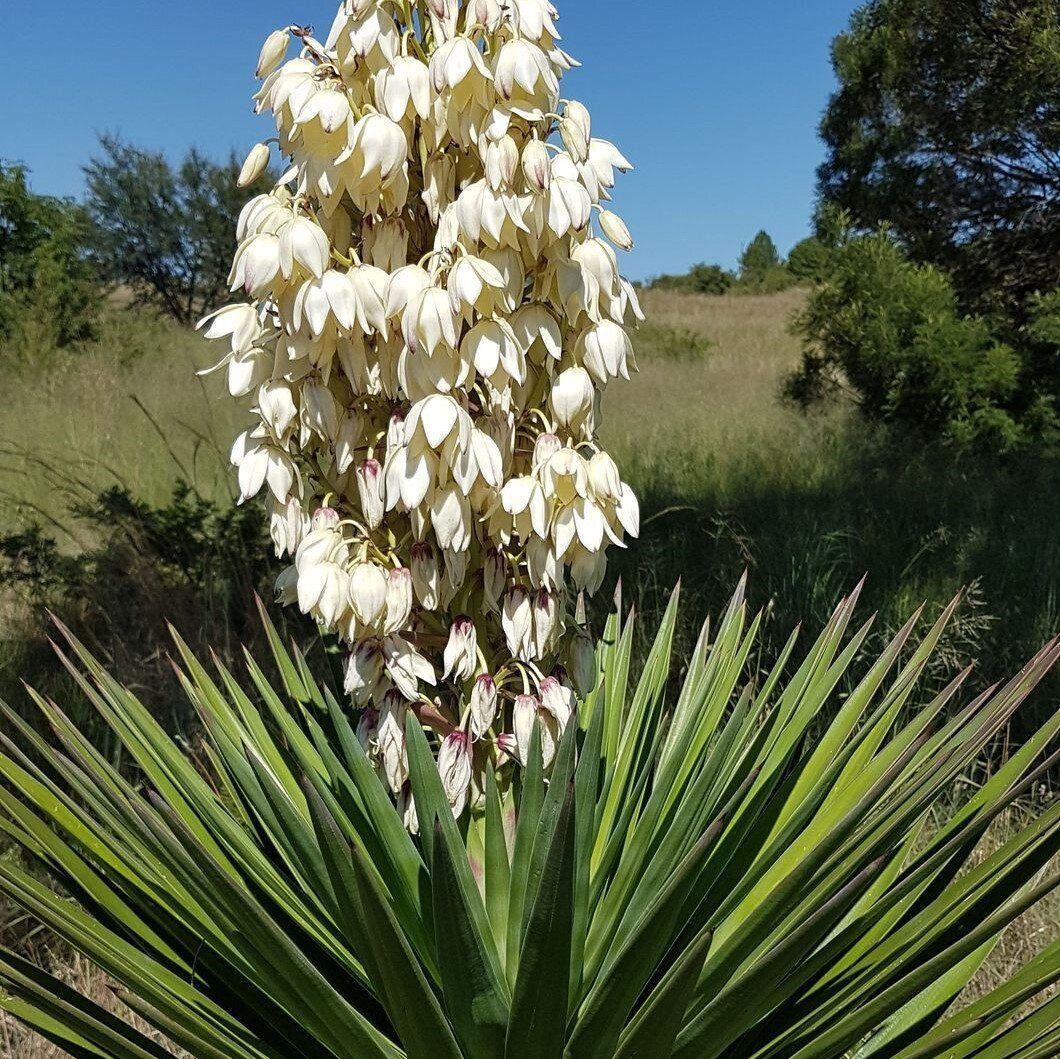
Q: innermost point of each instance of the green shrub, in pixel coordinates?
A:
(811, 260)
(48, 292)
(189, 562)
(673, 343)
(700, 279)
(890, 331)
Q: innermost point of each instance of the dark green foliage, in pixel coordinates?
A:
(48, 291)
(700, 279)
(759, 257)
(811, 260)
(163, 231)
(892, 332)
(946, 126)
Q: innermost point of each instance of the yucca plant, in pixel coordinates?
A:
(743, 870)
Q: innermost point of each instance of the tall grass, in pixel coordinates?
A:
(732, 478)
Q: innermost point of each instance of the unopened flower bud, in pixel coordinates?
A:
(256, 163)
(461, 652)
(494, 570)
(537, 166)
(507, 747)
(369, 475)
(454, 765)
(603, 476)
(558, 700)
(524, 717)
(546, 622)
(398, 600)
(615, 229)
(572, 397)
(546, 446)
(581, 658)
(575, 129)
(325, 518)
(426, 577)
(272, 52)
(483, 705)
(367, 593)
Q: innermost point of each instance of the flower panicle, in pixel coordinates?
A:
(433, 309)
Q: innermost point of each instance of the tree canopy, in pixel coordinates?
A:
(46, 281)
(166, 231)
(946, 126)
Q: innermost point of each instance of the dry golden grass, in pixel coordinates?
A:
(686, 418)
(126, 409)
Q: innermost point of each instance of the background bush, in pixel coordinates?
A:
(165, 232)
(891, 332)
(48, 292)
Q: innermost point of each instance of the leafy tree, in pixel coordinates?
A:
(891, 332)
(810, 260)
(946, 126)
(758, 258)
(164, 231)
(47, 285)
(762, 270)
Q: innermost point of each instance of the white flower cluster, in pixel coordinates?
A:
(433, 316)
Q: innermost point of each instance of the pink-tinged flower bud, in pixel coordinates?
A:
(364, 672)
(494, 570)
(524, 717)
(366, 728)
(426, 577)
(506, 748)
(369, 475)
(256, 163)
(537, 166)
(483, 705)
(367, 593)
(272, 52)
(454, 766)
(557, 700)
(546, 446)
(546, 622)
(461, 652)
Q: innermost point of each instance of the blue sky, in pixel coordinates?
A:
(716, 103)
